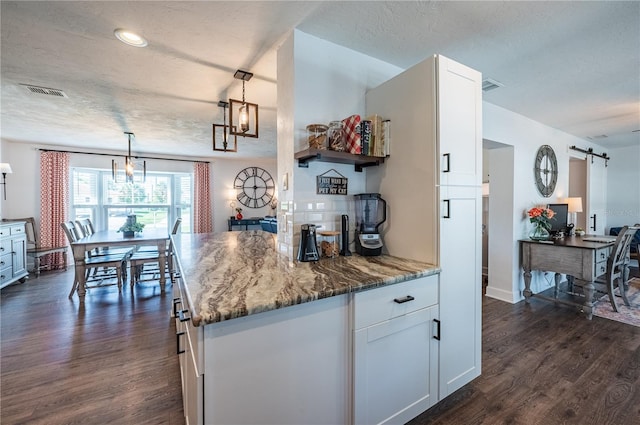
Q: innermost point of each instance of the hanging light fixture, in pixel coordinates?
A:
(222, 133)
(129, 165)
(246, 112)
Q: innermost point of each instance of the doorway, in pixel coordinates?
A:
(578, 188)
(497, 238)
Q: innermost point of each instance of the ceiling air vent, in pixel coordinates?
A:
(489, 84)
(45, 91)
(600, 136)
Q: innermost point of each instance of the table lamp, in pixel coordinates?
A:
(575, 206)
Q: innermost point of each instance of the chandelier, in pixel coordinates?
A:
(243, 119)
(129, 165)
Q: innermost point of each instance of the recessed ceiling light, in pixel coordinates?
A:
(130, 38)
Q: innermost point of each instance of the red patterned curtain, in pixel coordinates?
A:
(202, 213)
(54, 199)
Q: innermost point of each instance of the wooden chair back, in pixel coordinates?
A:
(70, 230)
(176, 226)
(85, 227)
(619, 257)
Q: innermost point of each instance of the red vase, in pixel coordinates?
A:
(239, 216)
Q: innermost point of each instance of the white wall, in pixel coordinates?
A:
(224, 171)
(23, 186)
(329, 83)
(623, 186)
(502, 265)
(526, 136)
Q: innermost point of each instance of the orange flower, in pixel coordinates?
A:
(541, 216)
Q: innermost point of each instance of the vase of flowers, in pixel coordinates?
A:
(239, 213)
(541, 218)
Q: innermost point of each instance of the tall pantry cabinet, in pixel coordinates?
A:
(432, 182)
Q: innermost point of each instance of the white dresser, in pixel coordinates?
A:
(13, 253)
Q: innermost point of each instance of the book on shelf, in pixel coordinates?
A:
(365, 136)
(386, 137)
(377, 144)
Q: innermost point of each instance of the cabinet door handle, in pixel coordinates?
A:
(176, 301)
(403, 299)
(178, 335)
(181, 316)
(594, 222)
(448, 163)
(448, 213)
(437, 335)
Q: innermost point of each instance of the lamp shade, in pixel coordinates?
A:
(5, 168)
(575, 204)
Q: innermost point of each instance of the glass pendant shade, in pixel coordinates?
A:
(129, 166)
(243, 119)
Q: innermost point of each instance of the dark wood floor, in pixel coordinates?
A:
(546, 364)
(111, 361)
(114, 362)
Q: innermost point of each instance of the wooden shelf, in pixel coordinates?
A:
(322, 155)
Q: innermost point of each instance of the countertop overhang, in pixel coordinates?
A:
(234, 274)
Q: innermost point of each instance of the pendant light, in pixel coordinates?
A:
(222, 133)
(129, 165)
(246, 112)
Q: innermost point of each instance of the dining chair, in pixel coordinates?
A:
(36, 250)
(140, 258)
(617, 274)
(85, 227)
(112, 265)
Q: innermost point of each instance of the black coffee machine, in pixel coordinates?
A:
(371, 212)
(308, 248)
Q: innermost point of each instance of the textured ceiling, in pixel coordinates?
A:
(574, 66)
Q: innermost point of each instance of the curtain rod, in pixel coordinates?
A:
(122, 156)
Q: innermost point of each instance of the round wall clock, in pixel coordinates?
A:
(545, 170)
(256, 187)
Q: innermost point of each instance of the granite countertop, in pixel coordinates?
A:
(233, 274)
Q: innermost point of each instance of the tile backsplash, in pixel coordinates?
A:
(325, 214)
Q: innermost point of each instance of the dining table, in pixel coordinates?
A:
(111, 238)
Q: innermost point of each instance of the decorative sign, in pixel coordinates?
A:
(330, 184)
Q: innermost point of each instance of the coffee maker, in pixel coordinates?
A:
(371, 212)
(308, 248)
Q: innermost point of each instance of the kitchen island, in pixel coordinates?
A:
(269, 340)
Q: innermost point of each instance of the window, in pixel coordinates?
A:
(157, 202)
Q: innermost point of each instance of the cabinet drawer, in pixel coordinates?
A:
(16, 230)
(5, 246)
(602, 255)
(379, 304)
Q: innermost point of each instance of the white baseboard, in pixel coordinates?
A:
(502, 295)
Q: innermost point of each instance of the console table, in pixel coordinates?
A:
(573, 256)
(246, 222)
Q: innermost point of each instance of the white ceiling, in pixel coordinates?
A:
(574, 66)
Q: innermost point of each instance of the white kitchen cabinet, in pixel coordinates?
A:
(188, 345)
(435, 108)
(285, 366)
(395, 352)
(13, 253)
(459, 124)
(460, 286)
